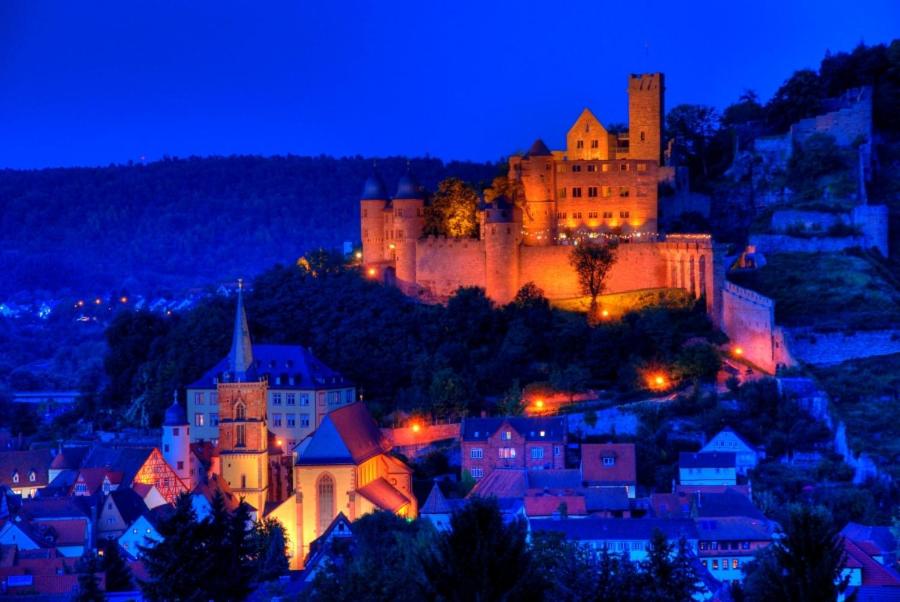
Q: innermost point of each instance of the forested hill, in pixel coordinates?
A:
(180, 223)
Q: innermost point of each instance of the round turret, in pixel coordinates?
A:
(408, 188)
(502, 236)
(408, 223)
(175, 415)
(537, 173)
(372, 224)
(374, 190)
(176, 442)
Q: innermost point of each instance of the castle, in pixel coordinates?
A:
(602, 185)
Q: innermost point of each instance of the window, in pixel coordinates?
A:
(715, 563)
(607, 191)
(576, 168)
(334, 398)
(198, 398)
(623, 191)
(240, 436)
(176, 431)
(576, 192)
(576, 215)
(291, 420)
(595, 144)
(592, 168)
(304, 399)
(734, 563)
(703, 545)
(624, 214)
(607, 214)
(325, 492)
(561, 215)
(180, 465)
(276, 419)
(537, 453)
(214, 419)
(623, 167)
(476, 453)
(703, 562)
(15, 476)
(506, 435)
(477, 473)
(213, 398)
(240, 412)
(304, 421)
(605, 167)
(291, 399)
(642, 167)
(556, 450)
(609, 461)
(745, 545)
(199, 419)
(643, 137)
(348, 396)
(592, 191)
(243, 481)
(579, 144)
(166, 448)
(276, 399)
(507, 453)
(592, 215)
(562, 193)
(32, 477)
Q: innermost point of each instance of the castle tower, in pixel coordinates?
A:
(645, 116)
(538, 182)
(502, 237)
(408, 222)
(243, 431)
(176, 442)
(371, 212)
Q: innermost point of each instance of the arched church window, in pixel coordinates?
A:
(240, 412)
(240, 436)
(325, 502)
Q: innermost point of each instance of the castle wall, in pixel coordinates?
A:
(645, 114)
(850, 122)
(748, 319)
(445, 264)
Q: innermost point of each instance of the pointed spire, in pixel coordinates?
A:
(240, 358)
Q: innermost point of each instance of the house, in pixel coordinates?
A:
(63, 523)
(704, 504)
(869, 580)
(301, 391)
(609, 465)
(336, 541)
(203, 494)
(138, 465)
(515, 442)
(25, 472)
(619, 536)
(726, 544)
(40, 572)
(345, 466)
(118, 511)
(65, 465)
(879, 542)
(438, 509)
(707, 468)
(150, 494)
(144, 530)
(726, 440)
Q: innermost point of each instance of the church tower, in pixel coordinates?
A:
(176, 442)
(243, 432)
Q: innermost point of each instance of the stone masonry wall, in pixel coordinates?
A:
(748, 319)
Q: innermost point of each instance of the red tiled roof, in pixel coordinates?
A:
(622, 472)
(93, 478)
(384, 495)
(547, 505)
(359, 432)
(502, 483)
(872, 572)
(23, 463)
(69, 532)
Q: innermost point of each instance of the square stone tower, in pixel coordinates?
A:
(645, 116)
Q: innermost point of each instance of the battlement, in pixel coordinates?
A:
(645, 81)
(439, 242)
(745, 294)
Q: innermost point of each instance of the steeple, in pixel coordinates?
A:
(240, 358)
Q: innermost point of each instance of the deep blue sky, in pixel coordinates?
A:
(94, 82)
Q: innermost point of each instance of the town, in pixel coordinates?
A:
(660, 362)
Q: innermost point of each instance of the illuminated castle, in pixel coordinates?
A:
(604, 184)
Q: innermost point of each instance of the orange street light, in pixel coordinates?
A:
(738, 351)
(605, 313)
(539, 404)
(372, 272)
(416, 427)
(358, 254)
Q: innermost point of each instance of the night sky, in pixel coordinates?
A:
(90, 83)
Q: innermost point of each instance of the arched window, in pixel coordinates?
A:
(240, 412)
(15, 476)
(325, 490)
(240, 436)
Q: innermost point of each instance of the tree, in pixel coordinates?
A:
(693, 127)
(88, 581)
(177, 566)
(592, 263)
(800, 96)
(453, 210)
(803, 566)
(570, 570)
(571, 379)
(698, 360)
(118, 574)
(449, 394)
(269, 545)
(668, 577)
(320, 262)
(746, 109)
(482, 558)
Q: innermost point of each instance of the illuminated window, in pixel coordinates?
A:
(576, 192)
(556, 450)
(506, 435)
(477, 473)
(734, 563)
(704, 545)
(537, 453)
(642, 167)
(32, 477)
(506, 453)
(325, 492)
(199, 419)
(304, 399)
(605, 167)
(715, 563)
(609, 461)
(15, 477)
(607, 191)
(476, 453)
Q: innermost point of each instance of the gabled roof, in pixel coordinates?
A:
(623, 470)
(93, 478)
(879, 536)
(600, 499)
(725, 432)
(70, 458)
(706, 460)
(872, 572)
(549, 504)
(127, 460)
(554, 478)
(616, 529)
(437, 503)
(538, 149)
(586, 115)
(502, 483)
(208, 491)
(481, 429)
(735, 528)
(285, 361)
(39, 508)
(23, 463)
(383, 495)
(347, 435)
(129, 504)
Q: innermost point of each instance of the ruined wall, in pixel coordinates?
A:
(782, 243)
(748, 319)
(849, 122)
(834, 347)
(872, 220)
(445, 264)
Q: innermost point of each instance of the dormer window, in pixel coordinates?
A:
(609, 460)
(32, 476)
(506, 435)
(15, 476)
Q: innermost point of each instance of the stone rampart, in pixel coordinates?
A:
(445, 264)
(835, 347)
(748, 319)
(783, 243)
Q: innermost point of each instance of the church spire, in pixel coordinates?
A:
(240, 358)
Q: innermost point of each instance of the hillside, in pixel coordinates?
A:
(181, 223)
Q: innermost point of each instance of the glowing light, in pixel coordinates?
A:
(97, 301)
(738, 351)
(80, 303)
(372, 272)
(416, 427)
(279, 442)
(605, 313)
(124, 299)
(657, 381)
(392, 246)
(358, 254)
(539, 404)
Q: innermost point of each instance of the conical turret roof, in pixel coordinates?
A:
(374, 189)
(538, 149)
